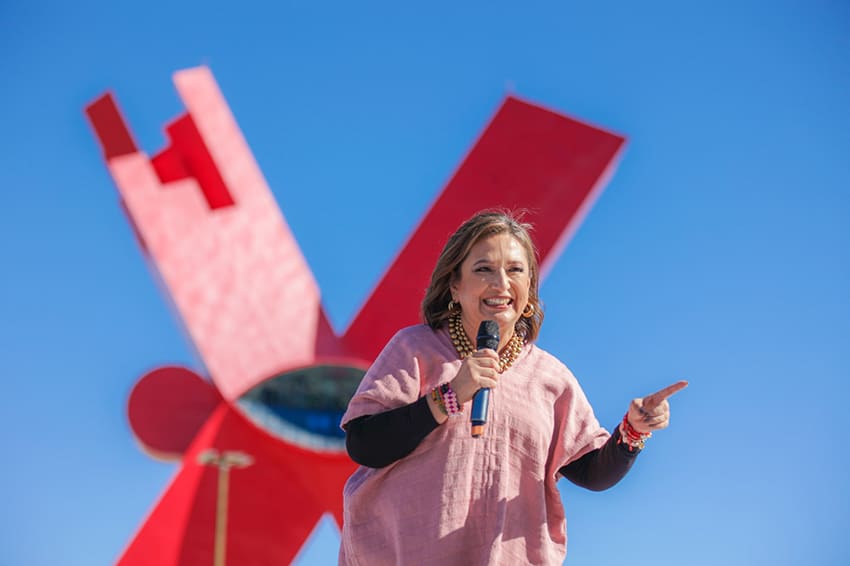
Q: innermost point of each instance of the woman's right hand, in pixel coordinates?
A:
(480, 369)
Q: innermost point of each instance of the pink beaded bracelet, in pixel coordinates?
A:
(450, 399)
(446, 399)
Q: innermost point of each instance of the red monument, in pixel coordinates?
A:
(256, 427)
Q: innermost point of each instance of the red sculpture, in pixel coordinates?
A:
(262, 456)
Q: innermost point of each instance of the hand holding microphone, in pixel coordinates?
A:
(480, 370)
(488, 339)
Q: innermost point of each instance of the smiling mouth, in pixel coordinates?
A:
(498, 302)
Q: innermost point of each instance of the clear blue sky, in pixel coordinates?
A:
(719, 253)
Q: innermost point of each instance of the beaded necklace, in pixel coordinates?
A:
(464, 348)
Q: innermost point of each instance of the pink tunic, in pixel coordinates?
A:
(462, 500)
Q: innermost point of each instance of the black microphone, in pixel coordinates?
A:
(488, 337)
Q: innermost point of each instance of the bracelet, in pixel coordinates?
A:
(632, 437)
(450, 399)
(438, 400)
(446, 399)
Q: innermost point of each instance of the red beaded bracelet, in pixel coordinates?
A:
(632, 437)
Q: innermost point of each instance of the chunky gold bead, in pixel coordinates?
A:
(464, 347)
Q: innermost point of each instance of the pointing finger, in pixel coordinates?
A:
(652, 401)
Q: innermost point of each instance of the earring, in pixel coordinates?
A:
(528, 311)
(454, 307)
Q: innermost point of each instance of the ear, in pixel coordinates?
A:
(453, 288)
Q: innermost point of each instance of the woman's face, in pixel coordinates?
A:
(493, 285)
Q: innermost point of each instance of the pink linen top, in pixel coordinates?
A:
(462, 500)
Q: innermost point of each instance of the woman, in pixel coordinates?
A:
(427, 491)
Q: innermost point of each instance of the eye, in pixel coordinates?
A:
(482, 269)
(517, 269)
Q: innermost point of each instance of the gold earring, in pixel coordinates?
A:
(454, 307)
(528, 311)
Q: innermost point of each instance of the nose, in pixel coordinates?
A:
(500, 279)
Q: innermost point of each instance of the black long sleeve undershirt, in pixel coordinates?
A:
(376, 441)
(603, 467)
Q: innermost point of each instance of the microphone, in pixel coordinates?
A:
(488, 337)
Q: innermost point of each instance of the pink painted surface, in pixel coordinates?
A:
(241, 286)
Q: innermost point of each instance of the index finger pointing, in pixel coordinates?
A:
(655, 399)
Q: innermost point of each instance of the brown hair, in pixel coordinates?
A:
(435, 305)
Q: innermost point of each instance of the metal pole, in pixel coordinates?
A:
(221, 514)
(223, 462)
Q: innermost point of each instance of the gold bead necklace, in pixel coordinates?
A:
(464, 347)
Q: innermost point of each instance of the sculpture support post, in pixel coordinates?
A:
(223, 461)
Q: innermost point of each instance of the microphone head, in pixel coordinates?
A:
(488, 335)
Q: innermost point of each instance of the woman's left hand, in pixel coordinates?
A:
(653, 411)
